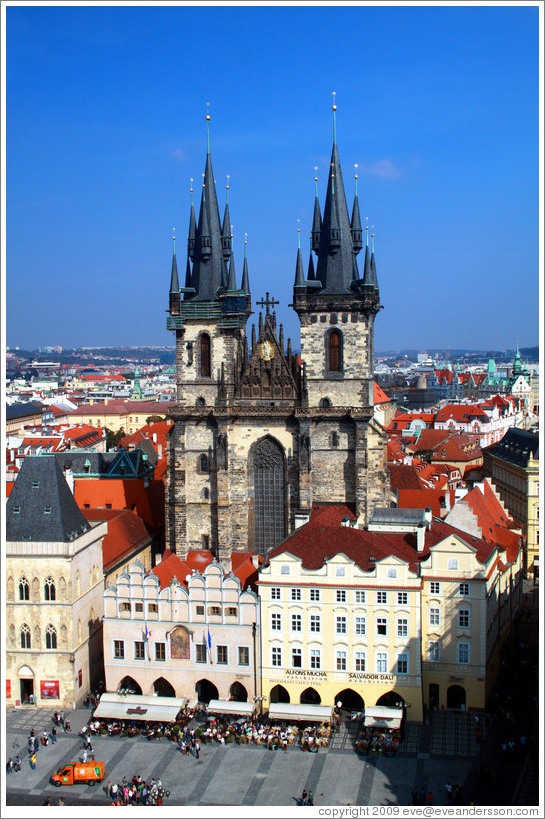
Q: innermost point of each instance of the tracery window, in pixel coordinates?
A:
(24, 589)
(51, 637)
(49, 589)
(25, 636)
(269, 495)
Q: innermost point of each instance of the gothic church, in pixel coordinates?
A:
(261, 434)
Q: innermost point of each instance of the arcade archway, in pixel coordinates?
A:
(163, 688)
(310, 697)
(279, 694)
(350, 699)
(238, 692)
(206, 691)
(391, 700)
(129, 686)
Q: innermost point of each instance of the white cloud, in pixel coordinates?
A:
(179, 155)
(384, 168)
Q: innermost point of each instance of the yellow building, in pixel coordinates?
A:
(116, 413)
(346, 612)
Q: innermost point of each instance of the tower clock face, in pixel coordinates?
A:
(266, 351)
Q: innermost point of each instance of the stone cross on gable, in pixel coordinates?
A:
(266, 303)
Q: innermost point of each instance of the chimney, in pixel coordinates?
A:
(427, 515)
(420, 537)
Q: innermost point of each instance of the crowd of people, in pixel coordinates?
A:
(136, 792)
(274, 737)
(380, 741)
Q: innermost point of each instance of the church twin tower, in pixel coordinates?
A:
(260, 433)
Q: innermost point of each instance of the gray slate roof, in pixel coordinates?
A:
(22, 410)
(41, 506)
(516, 446)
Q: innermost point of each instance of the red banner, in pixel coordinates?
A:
(8, 688)
(49, 689)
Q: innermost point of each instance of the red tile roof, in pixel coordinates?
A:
(424, 498)
(493, 520)
(315, 542)
(127, 533)
(380, 396)
(118, 406)
(124, 493)
(463, 413)
(404, 476)
(173, 566)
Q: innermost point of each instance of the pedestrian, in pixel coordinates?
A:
(66, 725)
(56, 717)
(60, 802)
(33, 761)
(197, 748)
(84, 755)
(47, 800)
(448, 789)
(17, 764)
(430, 798)
(304, 797)
(32, 732)
(109, 789)
(9, 765)
(53, 735)
(310, 798)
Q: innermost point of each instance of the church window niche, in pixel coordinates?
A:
(334, 351)
(269, 479)
(205, 356)
(205, 494)
(325, 403)
(25, 636)
(203, 463)
(24, 589)
(51, 637)
(334, 440)
(49, 589)
(201, 402)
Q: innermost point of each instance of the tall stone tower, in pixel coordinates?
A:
(260, 434)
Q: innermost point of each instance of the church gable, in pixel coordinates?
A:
(269, 374)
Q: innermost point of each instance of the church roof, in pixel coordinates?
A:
(517, 446)
(41, 506)
(127, 533)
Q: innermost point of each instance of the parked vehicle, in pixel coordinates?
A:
(78, 772)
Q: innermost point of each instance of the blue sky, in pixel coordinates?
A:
(106, 124)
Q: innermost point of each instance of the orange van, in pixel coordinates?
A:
(74, 772)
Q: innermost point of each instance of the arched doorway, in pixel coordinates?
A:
(310, 697)
(279, 694)
(163, 688)
(267, 468)
(350, 699)
(26, 681)
(206, 691)
(456, 697)
(391, 700)
(238, 692)
(433, 697)
(129, 686)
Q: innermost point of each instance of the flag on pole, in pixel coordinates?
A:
(209, 646)
(147, 633)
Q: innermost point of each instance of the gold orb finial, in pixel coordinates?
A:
(356, 167)
(245, 238)
(334, 106)
(227, 186)
(191, 185)
(208, 112)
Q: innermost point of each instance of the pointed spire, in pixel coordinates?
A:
(245, 277)
(311, 276)
(192, 228)
(224, 274)
(281, 338)
(334, 233)
(174, 283)
(355, 274)
(355, 223)
(373, 267)
(188, 273)
(317, 219)
(226, 243)
(208, 253)
(232, 280)
(367, 268)
(299, 275)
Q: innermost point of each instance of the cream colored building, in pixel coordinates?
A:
(349, 615)
(187, 629)
(116, 413)
(54, 591)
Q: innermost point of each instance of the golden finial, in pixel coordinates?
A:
(191, 186)
(316, 173)
(245, 238)
(203, 182)
(334, 106)
(356, 167)
(227, 186)
(231, 231)
(208, 112)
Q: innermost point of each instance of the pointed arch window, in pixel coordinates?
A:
(204, 465)
(49, 589)
(25, 636)
(269, 486)
(335, 351)
(206, 364)
(24, 589)
(51, 637)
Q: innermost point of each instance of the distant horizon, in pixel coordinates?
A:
(105, 127)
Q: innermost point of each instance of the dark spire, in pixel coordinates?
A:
(187, 273)
(208, 261)
(335, 252)
(299, 275)
(311, 275)
(355, 274)
(355, 222)
(174, 295)
(224, 275)
(374, 279)
(245, 278)
(367, 263)
(192, 228)
(232, 280)
(317, 219)
(226, 243)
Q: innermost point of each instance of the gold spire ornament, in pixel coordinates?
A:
(334, 106)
